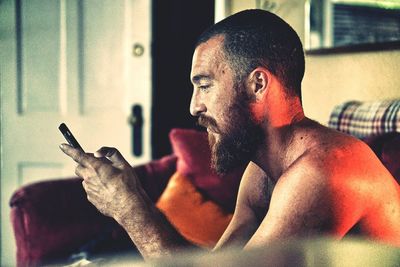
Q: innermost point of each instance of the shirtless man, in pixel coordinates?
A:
(247, 73)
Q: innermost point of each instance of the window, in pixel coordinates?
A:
(337, 23)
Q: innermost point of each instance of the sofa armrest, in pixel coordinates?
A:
(51, 219)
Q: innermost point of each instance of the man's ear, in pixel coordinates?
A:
(258, 82)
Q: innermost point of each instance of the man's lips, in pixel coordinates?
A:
(209, 128)
(208, 123)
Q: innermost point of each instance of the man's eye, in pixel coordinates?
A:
(204, 87)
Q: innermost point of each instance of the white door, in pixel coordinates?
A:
(73, 62)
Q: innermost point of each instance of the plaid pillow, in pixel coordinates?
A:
(362, 119)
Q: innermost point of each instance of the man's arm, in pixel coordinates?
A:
(251, 206)
(311, 198)
(149, 229)
(114, 189)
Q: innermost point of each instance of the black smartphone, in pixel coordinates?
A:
(69, 136)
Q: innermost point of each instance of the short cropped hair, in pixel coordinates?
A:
(254, 38)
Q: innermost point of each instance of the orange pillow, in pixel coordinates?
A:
(199, 220)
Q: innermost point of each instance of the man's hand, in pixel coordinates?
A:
(109, 181)
(114, 189)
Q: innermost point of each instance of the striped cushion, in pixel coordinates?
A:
(363, 119)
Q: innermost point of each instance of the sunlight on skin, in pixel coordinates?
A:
(274, 101)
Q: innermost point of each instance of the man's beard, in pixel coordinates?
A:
(237, 145)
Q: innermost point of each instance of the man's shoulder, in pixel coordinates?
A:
(335, 163)
(329, 152)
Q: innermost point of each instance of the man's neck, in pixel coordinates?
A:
(280, 125)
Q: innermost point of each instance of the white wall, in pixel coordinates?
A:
(332, 79)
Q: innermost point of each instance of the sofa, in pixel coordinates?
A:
(53, 220)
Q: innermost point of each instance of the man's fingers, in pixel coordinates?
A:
(102, 152)
(112, 154)
(77, 155)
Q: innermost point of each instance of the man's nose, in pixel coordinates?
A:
(196, 105)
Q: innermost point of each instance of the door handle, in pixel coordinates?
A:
(136, 121)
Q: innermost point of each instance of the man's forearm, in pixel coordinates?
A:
(149, 229)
